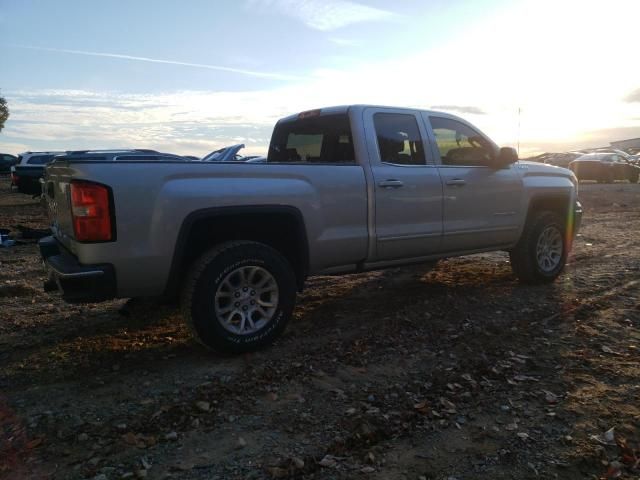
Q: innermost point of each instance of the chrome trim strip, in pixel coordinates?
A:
(409, 237)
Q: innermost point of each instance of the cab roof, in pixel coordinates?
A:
(344, 109)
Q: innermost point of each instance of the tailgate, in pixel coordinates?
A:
(57, 195)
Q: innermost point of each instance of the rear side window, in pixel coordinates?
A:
(40, 160)
(399, 139)
(322, 139)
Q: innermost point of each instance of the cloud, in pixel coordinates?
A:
(180, 122)
(633, 97)
(325, 15)
(220, 68)
(460, 109)
(345, 42)
(13, 148)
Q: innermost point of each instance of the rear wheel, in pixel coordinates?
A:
(239, 296)
(541, 253)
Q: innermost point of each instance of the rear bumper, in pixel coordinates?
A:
(76, 282)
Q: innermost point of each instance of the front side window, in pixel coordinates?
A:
(320, 139)
(399, 140)
(459, 144)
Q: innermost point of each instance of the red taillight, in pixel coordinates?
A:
(91, 212)
(15, 179)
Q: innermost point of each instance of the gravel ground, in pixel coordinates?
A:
(454, 373)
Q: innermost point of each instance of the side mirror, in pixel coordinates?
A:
(506, 156)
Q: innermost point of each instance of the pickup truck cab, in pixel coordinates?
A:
(343, 190)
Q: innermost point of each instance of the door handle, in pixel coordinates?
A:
(456, 182)
(391, 183)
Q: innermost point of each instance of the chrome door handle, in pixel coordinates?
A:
(456, 182)
(391, 183)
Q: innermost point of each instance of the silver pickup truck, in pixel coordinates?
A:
(343, 190)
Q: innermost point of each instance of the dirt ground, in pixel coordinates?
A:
(455, 373)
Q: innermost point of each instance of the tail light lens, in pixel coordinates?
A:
(91, 212)
(15, 179)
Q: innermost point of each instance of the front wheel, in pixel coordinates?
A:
(541, 253)
(239, 296)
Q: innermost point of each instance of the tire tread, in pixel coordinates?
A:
(194, 275)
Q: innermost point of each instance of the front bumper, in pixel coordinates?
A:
(77, 283)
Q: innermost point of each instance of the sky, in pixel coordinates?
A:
(191, 77)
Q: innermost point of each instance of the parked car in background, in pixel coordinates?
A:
(26, 174)
(122, 155)
(226, 154)
(562, 159)
(635, 160)
(6, 162)
(624, 155)
(604, 168)
(230, 154)
(256, 159)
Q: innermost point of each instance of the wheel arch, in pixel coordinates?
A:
(204, 228)
(560, 202)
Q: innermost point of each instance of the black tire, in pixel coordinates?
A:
(524, 259)
(205, 278)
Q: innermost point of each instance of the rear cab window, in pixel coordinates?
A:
(320, 139)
